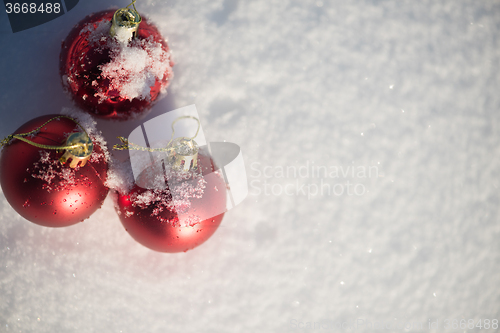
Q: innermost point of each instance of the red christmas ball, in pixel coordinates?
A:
(113, 77)
(180, 216)
(42, 189)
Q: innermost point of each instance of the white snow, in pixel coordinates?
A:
(134, 66)
(294, 83)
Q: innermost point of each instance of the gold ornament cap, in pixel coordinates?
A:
(183, 154)
(125, 23)
(79, 147)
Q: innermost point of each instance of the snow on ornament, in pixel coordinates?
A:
(53, 169)
(178, 200)
(115, 64)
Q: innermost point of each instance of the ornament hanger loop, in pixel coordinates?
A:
(132, 4)
(185, 117)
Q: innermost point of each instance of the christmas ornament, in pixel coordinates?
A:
(115, 64)
(52, 172)
(178, 200)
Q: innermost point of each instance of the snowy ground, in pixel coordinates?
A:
(406, 91)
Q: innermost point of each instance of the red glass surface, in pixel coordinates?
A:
(165, 231)
(58, 202)
(80, 61)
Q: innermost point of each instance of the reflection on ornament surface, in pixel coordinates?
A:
(180, 216)
(41, 188)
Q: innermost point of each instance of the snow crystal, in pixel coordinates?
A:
(163, 188)
(98, 32)
(120, 176)
(285, 80)
(134, 66)
(123, 36)
(48, 168)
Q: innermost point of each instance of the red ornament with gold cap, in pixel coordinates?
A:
(115, 64)
(53, 171)
(177, 202)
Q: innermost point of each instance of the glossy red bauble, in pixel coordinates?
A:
(181, 216)
(112, 79)
(43, 190)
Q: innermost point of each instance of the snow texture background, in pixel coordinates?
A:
(408, 87)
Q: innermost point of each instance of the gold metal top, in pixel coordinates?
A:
(125, 23)
(184, 150)
(184, 154)
(79, 148)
